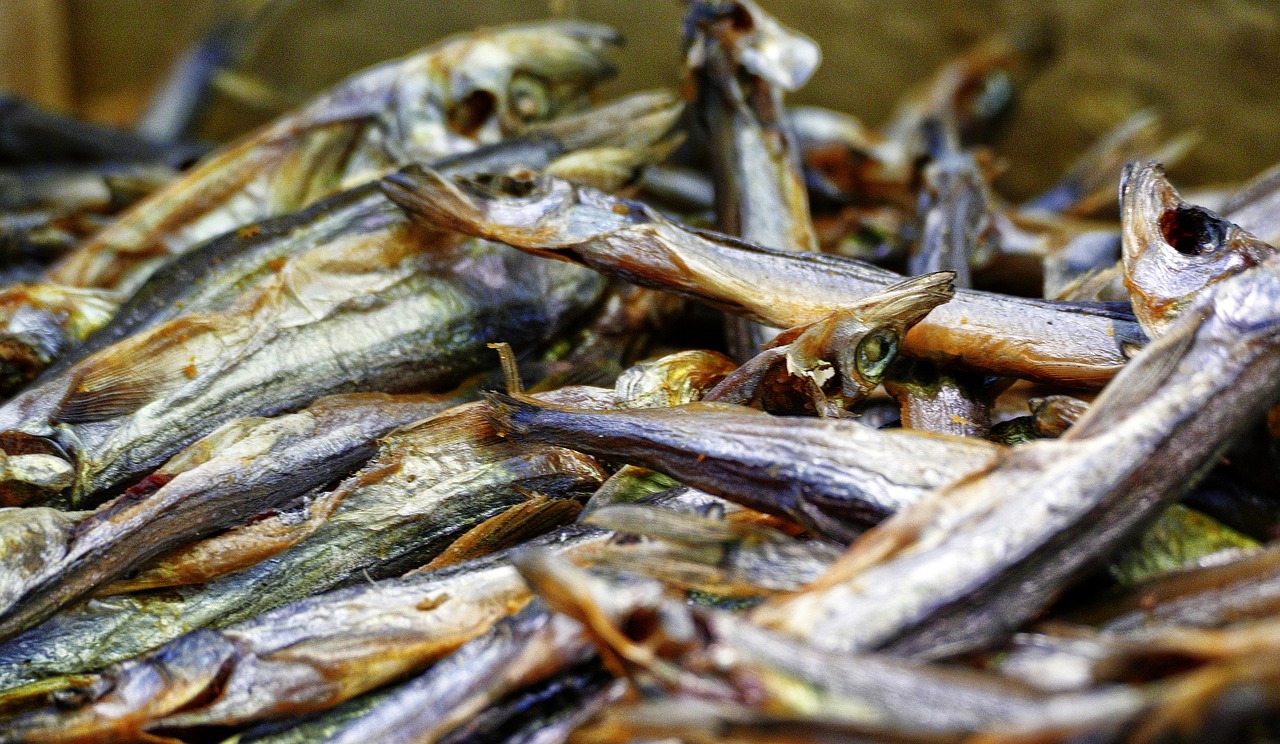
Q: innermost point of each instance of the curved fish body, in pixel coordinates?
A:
(371, 312)
(245, 467)
(429, 484)
(1077, 344)
(761, 461)
(1173, 250)
(741, 60)
(211, 276)
(963, 569)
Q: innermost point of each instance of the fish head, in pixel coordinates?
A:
(871, 333)
(754, 40)
(488, 85)
(546, 216)
(1173, 250)
(672, 380)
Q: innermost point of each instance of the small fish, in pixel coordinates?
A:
(40, 322)
(429, 483)
(963, 569)
(1174, 250)
(1077, 344)
(243, 468)
(376, 312)
(764, 462)
(211, 276)
(741, 60)
(452, 97)
(941, 401)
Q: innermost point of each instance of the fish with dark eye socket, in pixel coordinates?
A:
(838, 360)
(1173, 250)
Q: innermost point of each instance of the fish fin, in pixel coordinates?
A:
(127, 376)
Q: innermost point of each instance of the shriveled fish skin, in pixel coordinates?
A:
(209, 277)
(968, 566)
(741, 60)
(828, 474)
(43, 321)
(371, 314)
(1077, 344)
(245, 467)
(429, 483)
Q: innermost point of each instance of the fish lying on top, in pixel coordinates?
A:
(464, 92)
(1079, 344)
(966, 567)
(611, 137)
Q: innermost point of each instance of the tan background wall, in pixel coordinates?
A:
(1211, 64)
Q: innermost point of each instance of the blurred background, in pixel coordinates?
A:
(1208, 65)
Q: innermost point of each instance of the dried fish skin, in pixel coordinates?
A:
(1076, 344)
(39, 322)
(827, 474)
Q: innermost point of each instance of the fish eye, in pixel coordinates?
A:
(1192, 231)
(875, 353)
(528, 98)
(468, 115)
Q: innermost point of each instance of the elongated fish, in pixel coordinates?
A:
(1079, 344)
(429, 484)
(966, 567)
(245, 467)
(450, 98)
(741, 59)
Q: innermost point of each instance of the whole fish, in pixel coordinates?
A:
(450, 98)
(764, 462)
(245, 467)
(211, 276)
(953, 209)
(429, 483)
(371, 311)
(741, 60)
(966, 567)
(1077, 344)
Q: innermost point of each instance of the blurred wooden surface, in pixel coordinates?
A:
(35, 51)
(1207, 64)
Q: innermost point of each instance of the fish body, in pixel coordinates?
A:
(1077, 344)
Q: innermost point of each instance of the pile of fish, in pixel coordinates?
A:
(461, 403)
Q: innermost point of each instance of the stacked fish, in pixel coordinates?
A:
(457, 405)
